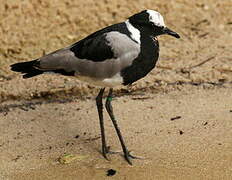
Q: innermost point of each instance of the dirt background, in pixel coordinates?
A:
(40, 117)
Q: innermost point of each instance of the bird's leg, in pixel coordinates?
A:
(109, 109)
(99, 104)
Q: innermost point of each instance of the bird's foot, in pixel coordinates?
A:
(128, 157)
(106, 150)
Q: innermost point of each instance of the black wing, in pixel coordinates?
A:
(95, 46)
(94, 49)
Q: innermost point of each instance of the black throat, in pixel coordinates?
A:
(145, 62)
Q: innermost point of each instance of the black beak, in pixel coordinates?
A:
(170, 32)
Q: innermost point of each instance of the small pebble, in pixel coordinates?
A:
(111, 172)
(205, 123)
(77, 136)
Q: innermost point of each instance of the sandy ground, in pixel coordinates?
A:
(45, 117)
(195, 146)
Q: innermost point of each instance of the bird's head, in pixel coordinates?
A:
(152, 22)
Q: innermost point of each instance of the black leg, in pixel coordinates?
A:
(100, 113)
(109, 109)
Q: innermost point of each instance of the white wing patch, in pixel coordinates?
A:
(156, 18)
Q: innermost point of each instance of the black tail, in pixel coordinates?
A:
(27, 68)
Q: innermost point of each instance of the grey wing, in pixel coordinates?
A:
(124, 52)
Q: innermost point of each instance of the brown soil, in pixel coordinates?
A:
(40, 117)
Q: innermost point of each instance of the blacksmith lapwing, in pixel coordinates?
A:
(119, 54)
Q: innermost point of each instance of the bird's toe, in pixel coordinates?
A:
(128, 156)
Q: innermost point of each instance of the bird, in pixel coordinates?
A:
(119, 54)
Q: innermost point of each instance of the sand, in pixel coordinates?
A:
(178, 118)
